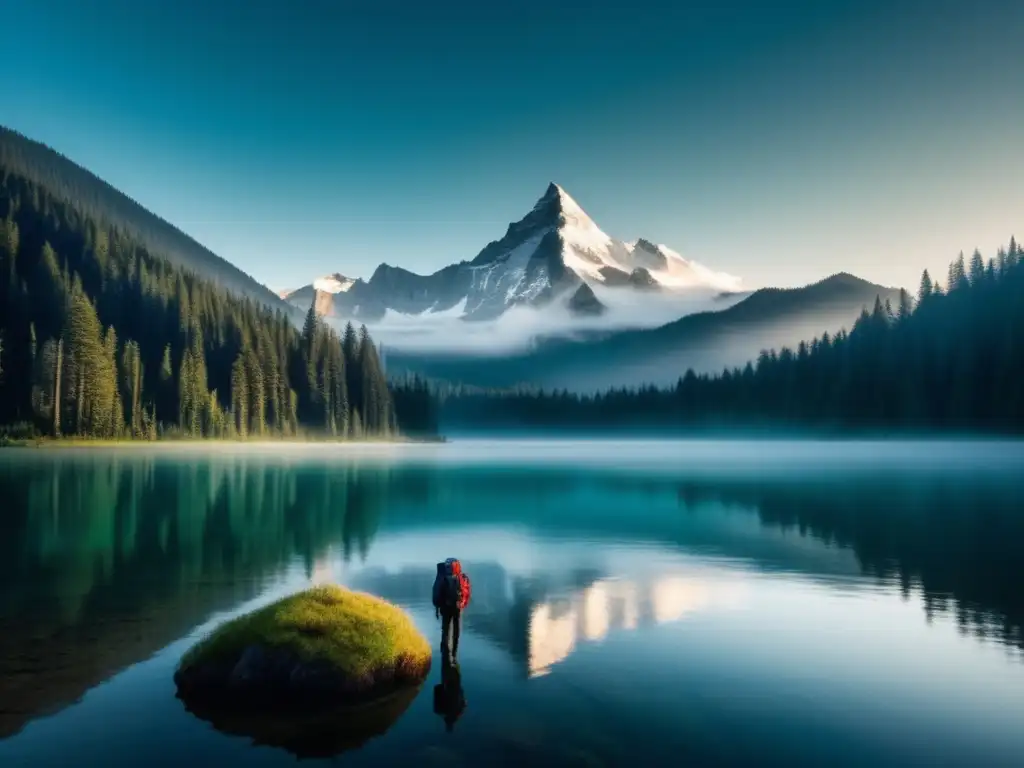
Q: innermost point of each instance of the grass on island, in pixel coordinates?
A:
(354, 632)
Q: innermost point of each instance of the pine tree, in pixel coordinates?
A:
(339, 394)
(353, 374)
(240, 395)
(46, 394)
(112, 404)
(906, 307)
(293, 412)
(192, 386)
(58, 372)
(257, 395)
(375, 397)
(311, 333)
(185, 392)
(270, 373)
(310, 328)
(350, 344)
(1002, 262)
(977, 269)
(213, 416)
(86, 359)
(927, 289)
(131, 384)
(198, 384)
(957, 274)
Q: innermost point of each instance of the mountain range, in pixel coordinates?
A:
(555, 302)
(554, 257)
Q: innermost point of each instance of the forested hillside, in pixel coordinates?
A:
(107, 206)
(103, 337)
(951, 360)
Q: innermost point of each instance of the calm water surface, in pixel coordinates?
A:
(653, 603)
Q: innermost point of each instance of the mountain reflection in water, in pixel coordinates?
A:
(541, 621)
(108, 557)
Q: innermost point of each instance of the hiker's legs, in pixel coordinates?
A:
(446, 633)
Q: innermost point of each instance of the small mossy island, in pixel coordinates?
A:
(317, 651)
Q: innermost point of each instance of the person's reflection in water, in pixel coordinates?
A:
(449, 700)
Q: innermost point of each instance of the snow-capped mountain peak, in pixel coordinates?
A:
(597, 258)
(554, 258)
(572, 213)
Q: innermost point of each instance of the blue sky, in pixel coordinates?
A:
(781, 141)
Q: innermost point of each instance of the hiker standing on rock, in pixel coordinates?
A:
(450, 597)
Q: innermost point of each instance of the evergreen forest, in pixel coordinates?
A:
(948, 359)
(102, 338)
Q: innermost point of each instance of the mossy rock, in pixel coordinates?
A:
(315, 651)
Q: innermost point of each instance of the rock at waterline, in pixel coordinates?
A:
(291, 673)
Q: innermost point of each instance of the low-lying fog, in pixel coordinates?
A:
(517, 329)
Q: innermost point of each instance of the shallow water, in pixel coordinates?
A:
(658, 603)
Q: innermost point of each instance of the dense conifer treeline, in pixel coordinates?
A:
(416, 406)
(102, 338)
(950, 360)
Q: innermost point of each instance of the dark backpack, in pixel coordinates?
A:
(451, 586)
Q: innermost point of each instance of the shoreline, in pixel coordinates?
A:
(84, 442)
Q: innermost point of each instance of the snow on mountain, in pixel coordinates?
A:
(507, 278)
(541, 263)
(596, 257)
(335, 283)
(586, 249)
(671, 270)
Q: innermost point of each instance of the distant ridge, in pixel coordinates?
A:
(67, 180)
(706, 341)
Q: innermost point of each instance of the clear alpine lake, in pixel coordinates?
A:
(634, 602)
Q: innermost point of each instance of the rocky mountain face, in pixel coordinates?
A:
(545, 258)
(584, 302)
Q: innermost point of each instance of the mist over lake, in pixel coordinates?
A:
(650, 602)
